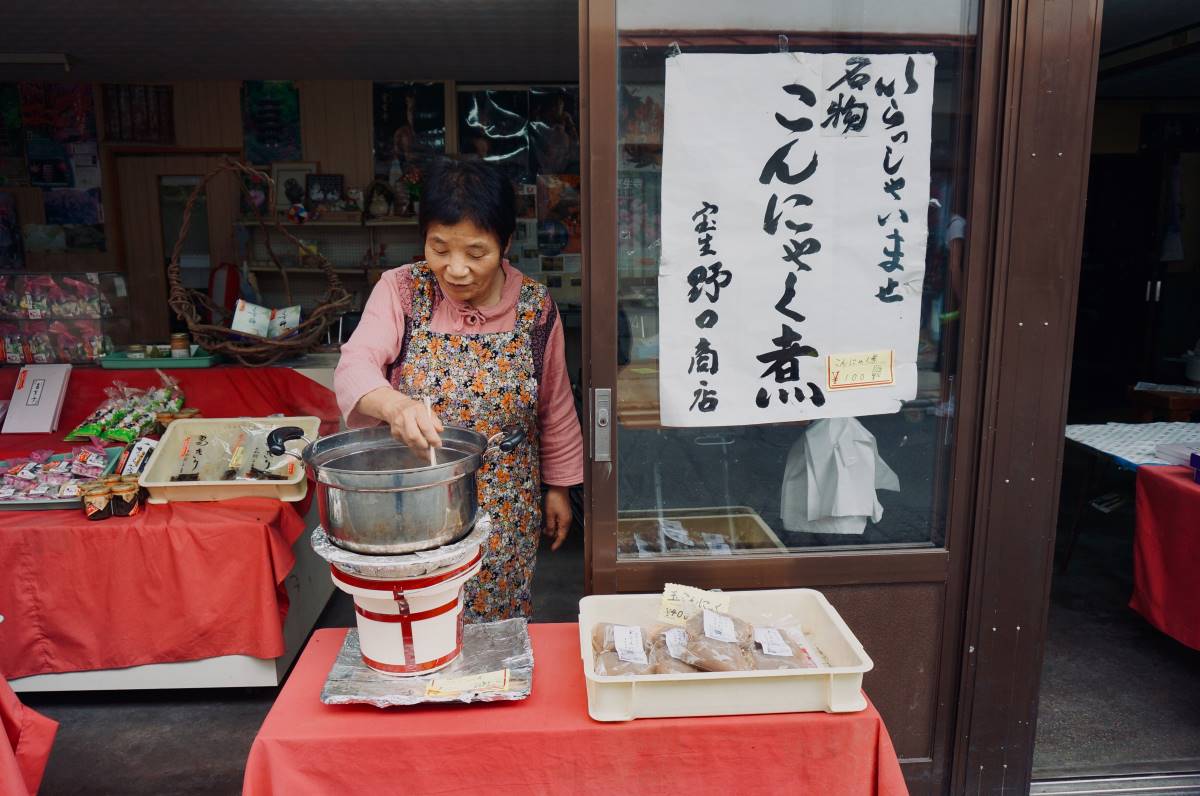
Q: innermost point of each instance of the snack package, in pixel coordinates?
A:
(34, 296)
(667, 651)
(610, 664)
(780, 648)
(721, 627)
(88, 462)
(108, 413)
(627, 641)
(137, 456)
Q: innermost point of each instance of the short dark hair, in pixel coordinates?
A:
(470, 190)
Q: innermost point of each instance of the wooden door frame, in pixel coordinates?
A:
(113, 157)
(1005, 410)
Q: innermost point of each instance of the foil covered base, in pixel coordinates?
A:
(487, 648)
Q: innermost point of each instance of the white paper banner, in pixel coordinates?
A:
(795, 199)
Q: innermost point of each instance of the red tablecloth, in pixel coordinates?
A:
(24, 745)
(179, 582)
(1166, 552)
(548, 744)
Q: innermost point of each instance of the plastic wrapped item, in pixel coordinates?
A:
(721, 627)
(88, 462)
(781, 648)
(667, 652)
(610, 664)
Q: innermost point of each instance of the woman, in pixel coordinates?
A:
(485, 344)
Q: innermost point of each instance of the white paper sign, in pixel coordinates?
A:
(719, 627)
(629, 644)
(795, 197)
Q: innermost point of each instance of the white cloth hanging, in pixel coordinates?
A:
(831, 477)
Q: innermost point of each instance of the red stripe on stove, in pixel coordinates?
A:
(412, 669)
(404, 585)
(417, 617)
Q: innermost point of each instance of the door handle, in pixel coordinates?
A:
(1157, 290)
(602, 424)
(1148, 282)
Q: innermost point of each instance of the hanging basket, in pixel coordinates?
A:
(194, 307)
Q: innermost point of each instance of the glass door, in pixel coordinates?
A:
(776, 304)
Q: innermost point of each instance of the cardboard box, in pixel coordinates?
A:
(37, 399)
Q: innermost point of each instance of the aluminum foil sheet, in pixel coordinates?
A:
(409, 565)
(487, 648)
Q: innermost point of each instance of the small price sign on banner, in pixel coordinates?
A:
(681, 603)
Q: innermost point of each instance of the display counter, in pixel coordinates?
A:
(547, 743)
(180, 595)
(1166, 552)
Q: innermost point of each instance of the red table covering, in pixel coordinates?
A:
(548, 744)
(178, 582)
(1166, 552)
(25, 745)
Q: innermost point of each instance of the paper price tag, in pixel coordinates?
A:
(719, 627)
(676, 639)
(681, 603)
(476, 683)
(772, 643)
(863, 369)
(629, 644)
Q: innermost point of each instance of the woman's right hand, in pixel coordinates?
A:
(409, 420)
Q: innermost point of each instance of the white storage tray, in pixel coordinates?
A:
(833, 688)
(165, 461)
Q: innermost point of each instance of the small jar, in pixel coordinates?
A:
(136, 352)
(109, 481)
(97, 503)
(181, 345)
(125, 500)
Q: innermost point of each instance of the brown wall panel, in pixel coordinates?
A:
(335, 119)
(900, 627)
(208, 113)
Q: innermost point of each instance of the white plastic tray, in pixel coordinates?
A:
(833, 688)
(165, 461)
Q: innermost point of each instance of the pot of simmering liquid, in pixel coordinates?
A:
(377, 495)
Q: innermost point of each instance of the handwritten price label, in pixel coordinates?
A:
(864, 369)
(476, 683)
(681, 603)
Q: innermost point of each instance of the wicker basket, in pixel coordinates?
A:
(193, 307)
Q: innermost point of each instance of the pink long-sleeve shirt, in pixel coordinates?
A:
(376, 343)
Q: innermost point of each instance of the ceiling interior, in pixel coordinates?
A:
(473, 41)
(1130, 24)
(151, 40)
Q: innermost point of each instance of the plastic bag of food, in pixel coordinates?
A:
(110, 412)
(667, 651)
(780, 648)
(721, 627)
(605, 636)
(88, 462)
(610, 664)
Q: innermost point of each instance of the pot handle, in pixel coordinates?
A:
(506, 441)
(278, 438)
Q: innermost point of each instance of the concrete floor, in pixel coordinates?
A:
(197, 741)
(1117, 696)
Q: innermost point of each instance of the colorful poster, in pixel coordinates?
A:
(73, 206)
(554, 129)
(62, 112)
(640, 126)
(271, 121)
(493, 125)
(795, 194)
(410, 129)
(560, 211)
(12, 251)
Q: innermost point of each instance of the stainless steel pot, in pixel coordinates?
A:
(377, 495)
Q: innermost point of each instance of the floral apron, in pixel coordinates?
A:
(488, 382)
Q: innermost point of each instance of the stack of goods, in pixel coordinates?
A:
(48, 318)
(711, 641)
(112, 496)
(47, 476)
(129, 414)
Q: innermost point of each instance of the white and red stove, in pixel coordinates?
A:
(409, 608)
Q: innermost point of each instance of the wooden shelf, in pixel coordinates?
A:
(400, 222)
(270, 269)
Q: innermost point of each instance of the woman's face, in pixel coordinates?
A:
(466, 261)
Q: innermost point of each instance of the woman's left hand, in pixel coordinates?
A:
(556, 515)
